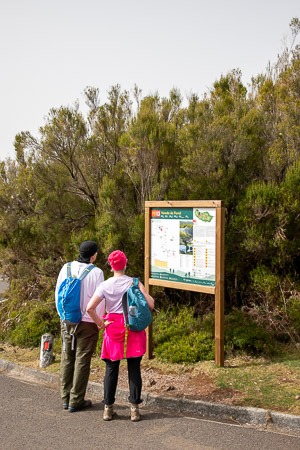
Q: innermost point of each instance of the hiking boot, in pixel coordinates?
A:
(84, 405)
(135, 413)
(108, 412)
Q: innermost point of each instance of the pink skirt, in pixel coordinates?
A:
(116, 345)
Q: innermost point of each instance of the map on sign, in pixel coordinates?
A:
(183, 245)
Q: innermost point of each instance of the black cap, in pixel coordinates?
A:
(88, 249)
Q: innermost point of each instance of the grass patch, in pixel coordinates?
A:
(265, 383)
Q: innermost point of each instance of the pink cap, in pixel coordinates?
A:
(117, 260)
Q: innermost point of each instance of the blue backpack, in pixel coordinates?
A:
(68, 301)
(137, 314)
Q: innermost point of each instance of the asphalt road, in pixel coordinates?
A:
(31, 417)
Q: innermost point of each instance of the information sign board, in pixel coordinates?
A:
(184, 249)
(183, 245)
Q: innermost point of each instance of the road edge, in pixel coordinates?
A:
(268, 420)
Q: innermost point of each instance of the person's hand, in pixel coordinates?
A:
(104, 324)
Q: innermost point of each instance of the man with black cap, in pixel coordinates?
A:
(76, 358)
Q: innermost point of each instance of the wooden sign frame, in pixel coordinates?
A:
(217, 290)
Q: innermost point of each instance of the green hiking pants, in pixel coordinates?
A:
(76, 358)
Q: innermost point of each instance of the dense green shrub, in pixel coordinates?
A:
(293, 313)
(179, 336)
(197, 346)
(35, 320)
(243, 334)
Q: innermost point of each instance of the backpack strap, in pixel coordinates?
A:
(73, 337)
(69, 270)
(135, 282)
(125, 308)
(67, 330)
(86, 271)
(83, 275)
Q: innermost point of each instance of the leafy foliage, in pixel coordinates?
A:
(245, 335)
(34, 321)
(180, 337)
(88, 178)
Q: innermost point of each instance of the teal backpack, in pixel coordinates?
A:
(137, 314)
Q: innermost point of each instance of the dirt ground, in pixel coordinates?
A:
(186, 384)
(182, 385)
(182, 382)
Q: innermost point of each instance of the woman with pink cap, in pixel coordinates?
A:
(113, 347)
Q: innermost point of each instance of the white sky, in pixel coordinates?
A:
(50, 51)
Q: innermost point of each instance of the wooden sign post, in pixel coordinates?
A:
(184, 249)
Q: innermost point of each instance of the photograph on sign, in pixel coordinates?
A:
(183, 245)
